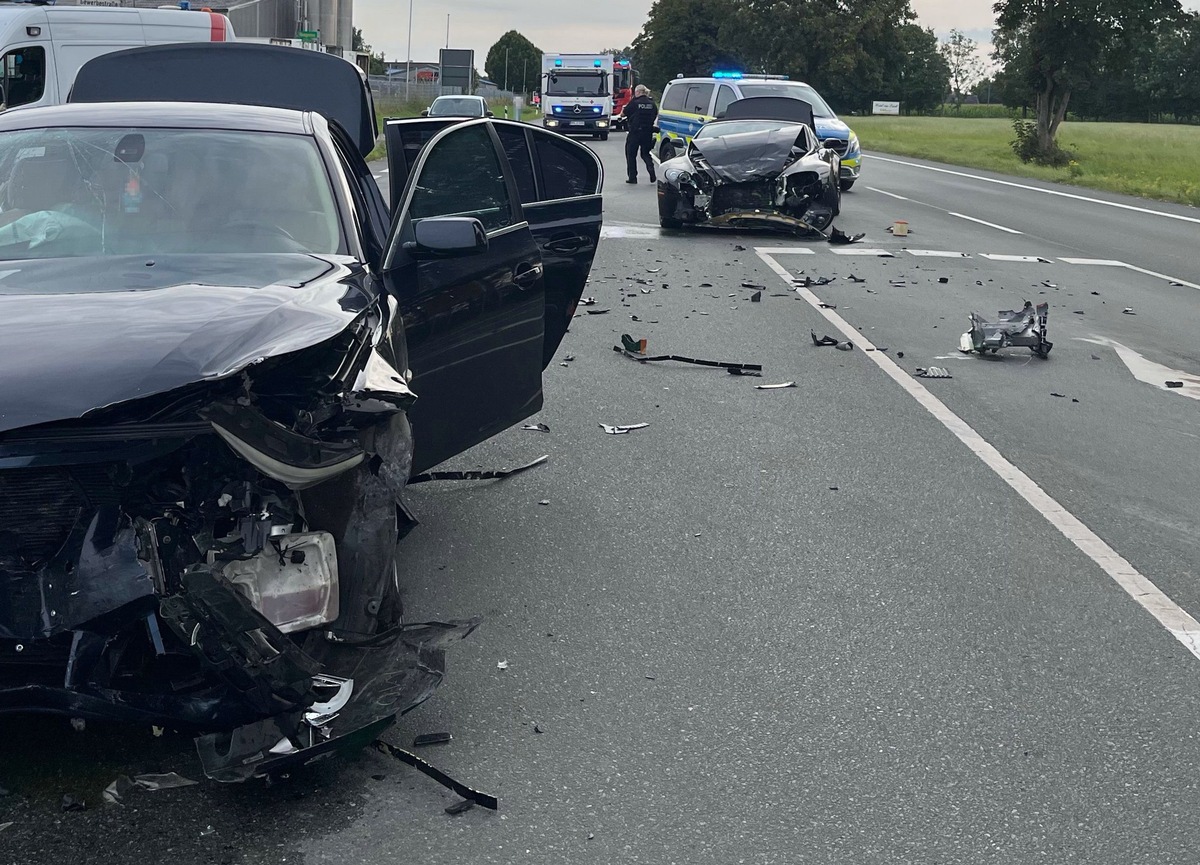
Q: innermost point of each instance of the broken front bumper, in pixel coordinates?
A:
(140, 582)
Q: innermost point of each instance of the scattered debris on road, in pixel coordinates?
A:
(1025, 327)
(635, 349)
(536, 427)
(1128, 311)
(595, 311)
(822, 340)
(854, 278)
(756, 297)
(837, 236)
(492, 475)
(425, 739)
(622, 429)
(1174, 384)
(471, 797)
(933, 372)
(775, 386)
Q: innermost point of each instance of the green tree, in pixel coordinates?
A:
(683, 37)
(924, 77)
(962, 59)
(378, 65)
(514, 63)
(1055, 48)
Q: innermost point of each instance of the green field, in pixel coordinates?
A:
(1149, 160)
(385, 107)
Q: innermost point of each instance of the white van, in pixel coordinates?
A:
(42, 47)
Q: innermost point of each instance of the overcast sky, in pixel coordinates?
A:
(579, 25)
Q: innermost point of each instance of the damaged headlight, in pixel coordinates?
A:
(677, 176)
(293, 581)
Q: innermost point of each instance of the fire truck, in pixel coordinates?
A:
(625, 78)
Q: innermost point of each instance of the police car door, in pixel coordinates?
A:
(559, 181)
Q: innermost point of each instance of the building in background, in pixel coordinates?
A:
(327, 24)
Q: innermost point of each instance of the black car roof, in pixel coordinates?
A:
(240, 73)
(160, 115)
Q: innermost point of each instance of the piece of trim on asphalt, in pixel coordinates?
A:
(983, 222)
(1141, 589)
(1025, 186)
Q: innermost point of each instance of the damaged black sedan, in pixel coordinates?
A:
(224, 358)
(759, 167)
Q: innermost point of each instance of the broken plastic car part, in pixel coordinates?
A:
(1022, 328)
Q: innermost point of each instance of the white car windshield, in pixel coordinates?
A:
(456, 106)
(791, 89)
(72, 192)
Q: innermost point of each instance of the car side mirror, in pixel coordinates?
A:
(490, 114)
(448, 237)
(424, 112)
(720, 115)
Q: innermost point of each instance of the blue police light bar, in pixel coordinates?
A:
(558, 63)
(597, 63)
(624, 62)
(726, 74)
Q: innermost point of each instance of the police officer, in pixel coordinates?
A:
(640, 115)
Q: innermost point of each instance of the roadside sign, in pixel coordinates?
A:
(885, 107)
(309, 35)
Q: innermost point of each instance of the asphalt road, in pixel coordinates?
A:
(867, 619)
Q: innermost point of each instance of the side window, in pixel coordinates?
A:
(462, 177)
(725, 95)
(516, 148)
(673, 99)
(698, 98)
(24, 75)
(568, 170)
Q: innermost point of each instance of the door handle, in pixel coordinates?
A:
(567, 244)
(526, 276)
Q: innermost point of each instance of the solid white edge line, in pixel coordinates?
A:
(1158, 275)
(982, 222)
(888, 194)
(1170, 615)
(1071, 195)
(1095, 262)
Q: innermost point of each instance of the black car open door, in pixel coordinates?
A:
(559, 182)
(467, 275)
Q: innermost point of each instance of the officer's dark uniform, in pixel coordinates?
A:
(640, 115)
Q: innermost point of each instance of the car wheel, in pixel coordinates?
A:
(667, 151)
(846, 185)
(604, 136)
(669, 222)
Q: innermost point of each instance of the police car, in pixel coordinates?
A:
(689, 103)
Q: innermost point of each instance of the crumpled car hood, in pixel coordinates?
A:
(747, 155)
(85, 333)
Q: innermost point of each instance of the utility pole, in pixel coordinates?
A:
(447, 29)
(524, 75)
(506, 69)
(408, 65)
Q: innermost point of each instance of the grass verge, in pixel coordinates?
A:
(385, 107)
(1148, 160)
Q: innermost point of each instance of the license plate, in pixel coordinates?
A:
(577, 123)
